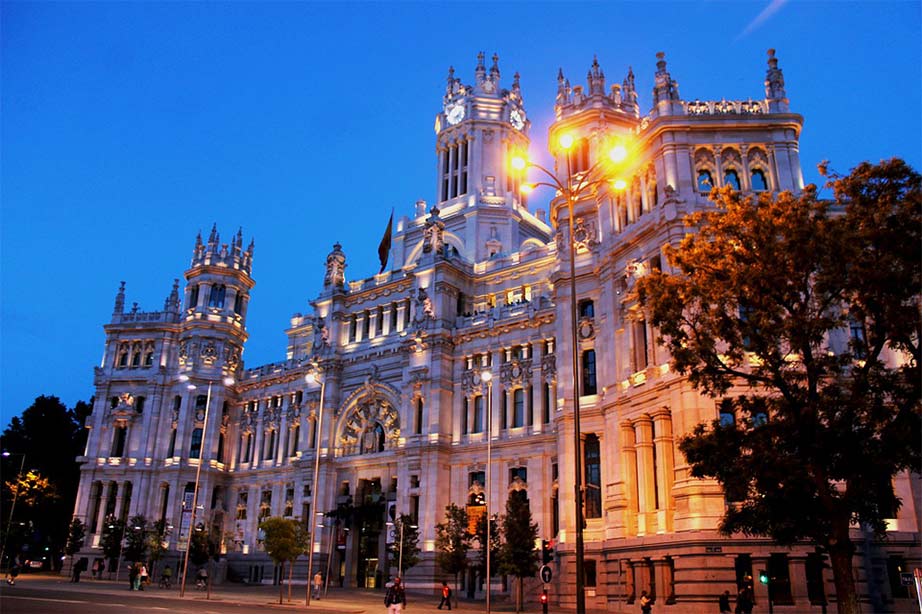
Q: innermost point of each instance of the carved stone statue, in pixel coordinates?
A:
(434, 233)
(336, 268)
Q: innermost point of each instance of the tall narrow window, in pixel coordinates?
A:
(353, 328)
(641, 349)
(394, 314)
(216, 298)
(220, 455)
(465, 403)
(238, 303)
(118, 440)
(139, 404)
(366, 325)
(757, 179)
(446, 155)
(518, 408)
(164, 501)
(193, 297)
(593, 464)
(462, 164)
(195, 447)
(478, 414)
(419, 415)
(589, 379)
(546, 390)
(295, 435)
(172, 450)
(858, 335)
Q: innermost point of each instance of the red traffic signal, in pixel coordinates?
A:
(544, 597)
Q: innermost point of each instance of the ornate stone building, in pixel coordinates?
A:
(476, 283)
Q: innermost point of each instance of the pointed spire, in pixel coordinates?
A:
(120, 299)
(664, 87)
(212, 238)
(629, 94)
(494, 70)
(481, 72)
(171, 304)
(516, 88)
(563, 89)
(596, 79)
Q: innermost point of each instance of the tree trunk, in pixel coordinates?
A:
(457, 588)
(281, 585)
(841, 556)
(519, 594)
(291, 567)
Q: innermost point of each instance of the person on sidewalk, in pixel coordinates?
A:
(646, 604)
(724, 603)
(12, 573)
(395, 598)
(134, 574)
(144, 577)
(318, 585)
(446, 596)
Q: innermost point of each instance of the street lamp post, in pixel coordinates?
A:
(487, 377)
(9, 522)
(228, 381)
(315, 377)
(572, 192)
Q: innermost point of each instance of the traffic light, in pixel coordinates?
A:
(547, 552)
(763, 576)
(544, 601)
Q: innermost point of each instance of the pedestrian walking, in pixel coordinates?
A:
(102, 568)
(12, 573)
(94, 570)
(78, 568)
(446, 596)
(395, 598)
(646, 604)
(318, 585)
(133, 575)
(144, 577)
(744, 601)
(724, 603)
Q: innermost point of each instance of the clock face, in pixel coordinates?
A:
(454, 113)
(517, 119)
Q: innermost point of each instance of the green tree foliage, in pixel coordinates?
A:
(410, 542)
(202, 546)
(495, 543)
(157, 537)
(285, 541)
(51, 436)
(136, 542)
(113, 531)
(518, 555)
(452, 543)
(76, 534)
(796, 302)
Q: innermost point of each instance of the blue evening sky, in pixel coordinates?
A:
(128, 127)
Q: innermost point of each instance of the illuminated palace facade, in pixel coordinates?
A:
(476, 283)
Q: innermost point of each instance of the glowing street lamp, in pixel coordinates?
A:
(227, 381)
(576, 188)
(487, 377)
(315, 377)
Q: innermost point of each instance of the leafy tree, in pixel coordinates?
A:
(113, 532)
(136, 541)
(518, 555)
(410, 542)
(31, 490)
(76, 534)
(800, 301)
(50, 436)
(201, 546)
(285, 541)
(452, 543)
(495, 543)
(156, 540)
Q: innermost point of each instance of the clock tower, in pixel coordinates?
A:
(478, 129)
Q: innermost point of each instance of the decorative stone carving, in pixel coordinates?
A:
(584, 234)
(424, 308)
(336, 268)
(373, 427)
(231, 358)
(515, 372)
(549, 368)
(434, 233)
(209, 352)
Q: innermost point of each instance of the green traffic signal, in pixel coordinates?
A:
(763, 576)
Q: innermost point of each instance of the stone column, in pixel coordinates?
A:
(629, 475)
(665, 465)
(645, 476)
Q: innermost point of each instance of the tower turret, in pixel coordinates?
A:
(774, 86)
(218, 285)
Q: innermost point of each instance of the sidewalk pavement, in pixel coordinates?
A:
(337, 601)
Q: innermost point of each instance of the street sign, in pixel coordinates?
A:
(906, 579)
(546, 574)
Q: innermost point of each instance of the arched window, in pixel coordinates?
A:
(136, 357)
(586, 309)
(593, 463)
(705, 181)
(732, 179)
(149, 356)
(123, 357)
(193, 297)
(759, 184)
(589, 379)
